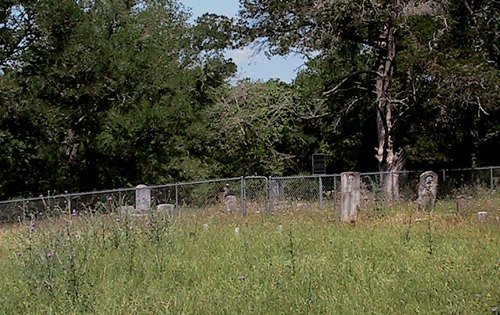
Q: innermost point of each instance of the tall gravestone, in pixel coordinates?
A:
(276, 189)
(427, 191)
(350, 196)
(142, 198)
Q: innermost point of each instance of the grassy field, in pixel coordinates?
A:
(393, 261)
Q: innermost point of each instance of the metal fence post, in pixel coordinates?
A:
(176, 196)
(269, 195)
(334, 192)
(491, 178)
(320, 191)
(25, 210)
(242, 196)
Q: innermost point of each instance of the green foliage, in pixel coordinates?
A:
(441, 88)
(114, 92)
(257, 128)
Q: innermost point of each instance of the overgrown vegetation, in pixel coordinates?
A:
(288, 262)
(113, 93)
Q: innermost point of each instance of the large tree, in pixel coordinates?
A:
(104, 93)
(375, 30)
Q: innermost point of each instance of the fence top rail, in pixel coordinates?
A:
(232, 179)
(482, 168)
(256, 177)
(208, 181)
(303, 176)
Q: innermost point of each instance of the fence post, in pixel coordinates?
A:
(242, 196)
(25, 210)
(334, 192)
(320, 191)
(491, 178)
(176, 196)
(267, 192)
(68, 204)
(269, 195)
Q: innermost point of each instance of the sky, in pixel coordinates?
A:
(251, 64)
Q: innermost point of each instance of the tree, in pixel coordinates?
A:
(257, 129)
(113, 91)
(373, 29)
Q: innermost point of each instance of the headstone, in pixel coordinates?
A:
(482, 215)
(427, 191)
(350, 196)
(461, 204)
(166, 208)
(276, 189)
(125, 210)
(142, 198)
(231, 203)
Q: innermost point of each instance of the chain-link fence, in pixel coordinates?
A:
(247, 194)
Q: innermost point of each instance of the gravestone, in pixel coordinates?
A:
(142, 198)
(166, 208)
(481, 216)
(125, 210)
(350, 192)
(276, 190)
(461, 204)
(231, 203)
(427, 191)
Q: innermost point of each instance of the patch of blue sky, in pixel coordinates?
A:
(251, 63)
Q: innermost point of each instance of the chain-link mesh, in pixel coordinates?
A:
(251, 194)
(216, 195)
(297, 192)
(256, 194)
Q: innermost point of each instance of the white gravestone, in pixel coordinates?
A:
(350, 196)
(427, 191)
(142, 198)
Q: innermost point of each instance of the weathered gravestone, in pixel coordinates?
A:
(461, 201)
(427, 191)
(481, 216)
(229, 200)
(276, 189)
(350, 196)
(231, 203)
(166, 208)
(142, 198)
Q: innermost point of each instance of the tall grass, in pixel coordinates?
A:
(292, 262)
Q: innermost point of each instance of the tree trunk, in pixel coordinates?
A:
(390, 162)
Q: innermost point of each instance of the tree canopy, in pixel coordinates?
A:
(108, 93)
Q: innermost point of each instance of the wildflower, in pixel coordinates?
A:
(50, 254)
(74, 212)
(494, 310)
(32, 226)
(242, 278)
(110, 199)
(19, 253)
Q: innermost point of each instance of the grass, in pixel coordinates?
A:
(291, 262)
